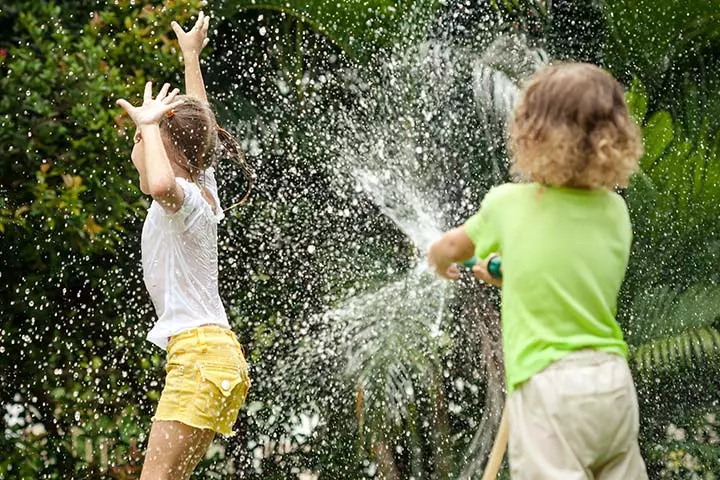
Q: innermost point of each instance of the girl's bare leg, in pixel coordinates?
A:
(174, 450)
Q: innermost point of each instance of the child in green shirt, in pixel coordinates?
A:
(564, 237)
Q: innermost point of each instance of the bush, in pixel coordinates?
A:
(73, 368)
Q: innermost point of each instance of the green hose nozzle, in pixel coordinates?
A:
(494, 265)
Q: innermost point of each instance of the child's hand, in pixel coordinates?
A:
(443, 268)
(152, 110)
(480, 270)
(450, 273)
(192, 42)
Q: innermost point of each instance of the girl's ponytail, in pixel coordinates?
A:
(195, 142)
(232, 150)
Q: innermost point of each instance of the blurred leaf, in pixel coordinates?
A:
(637, 101)
(657, 133)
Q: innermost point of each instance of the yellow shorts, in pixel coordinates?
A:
(207, 379)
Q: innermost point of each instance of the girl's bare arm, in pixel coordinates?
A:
(191, 44)
(158, 171)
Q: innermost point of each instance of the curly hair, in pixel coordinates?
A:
(572, 129)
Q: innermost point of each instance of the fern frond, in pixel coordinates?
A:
(663, 311)
(693, 350)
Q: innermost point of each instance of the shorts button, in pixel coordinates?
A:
(225, 385)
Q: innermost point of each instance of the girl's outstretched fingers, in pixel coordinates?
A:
(147, 95)
(152, 109)
(204, 27)
(163, 92)
(202, 24)
(171, 97)
(174, 104)
(195, 39)
(199, 22)
(125, 105)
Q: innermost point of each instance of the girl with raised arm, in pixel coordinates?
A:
(177, 143)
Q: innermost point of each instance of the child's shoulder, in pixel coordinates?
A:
(511, 190)
(536, 190)
(519, 194)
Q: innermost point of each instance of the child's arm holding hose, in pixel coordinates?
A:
(479, 234)
(489, 270)
(456, 247)
(453, 247)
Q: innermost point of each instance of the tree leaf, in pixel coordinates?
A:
(657, 134)
(637, 101)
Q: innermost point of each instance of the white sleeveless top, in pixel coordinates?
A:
(180, 262)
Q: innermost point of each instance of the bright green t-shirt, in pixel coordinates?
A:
(564, 253)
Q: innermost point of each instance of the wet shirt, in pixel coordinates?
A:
(180, 262)
(564, 254)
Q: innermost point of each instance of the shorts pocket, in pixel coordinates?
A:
(174, 368)
(225, 386)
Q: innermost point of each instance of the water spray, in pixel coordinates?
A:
(492, 467)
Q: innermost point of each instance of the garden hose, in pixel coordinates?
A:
(492, 468)
(499, 446)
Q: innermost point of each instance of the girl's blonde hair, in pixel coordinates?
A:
(572, 129)
(194, 140)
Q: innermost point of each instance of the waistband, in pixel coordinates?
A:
(585, 357)
(202, 334)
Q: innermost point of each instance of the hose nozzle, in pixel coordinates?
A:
(494, 265)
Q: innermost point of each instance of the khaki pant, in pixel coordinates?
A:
(576, 420)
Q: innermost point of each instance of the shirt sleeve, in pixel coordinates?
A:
(627, 224)
(192, 201)
(209, 182)
(483, 229)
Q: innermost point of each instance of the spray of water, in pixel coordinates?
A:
(396, 150)
(499, 70)
(423, 140)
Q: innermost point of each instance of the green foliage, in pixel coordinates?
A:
(692, 350)
(69, 204)
(670, 45)
(677, 192)
(671, 297)
(357, 27)
(689, 448)
(389, 392)
(660, 311)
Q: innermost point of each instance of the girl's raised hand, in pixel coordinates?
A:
(193, 41)
(152, 110)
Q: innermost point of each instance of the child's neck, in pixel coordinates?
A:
(179, 171)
